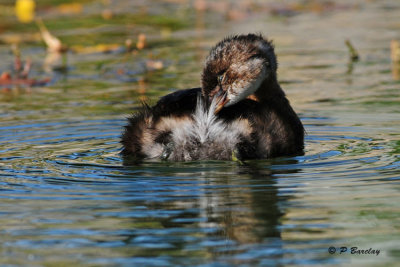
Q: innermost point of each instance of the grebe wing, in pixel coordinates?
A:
(177, 103)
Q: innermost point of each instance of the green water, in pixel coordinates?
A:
(66, 199)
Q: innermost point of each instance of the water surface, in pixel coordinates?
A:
(66, 199)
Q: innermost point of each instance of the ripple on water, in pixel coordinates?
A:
(257, 213)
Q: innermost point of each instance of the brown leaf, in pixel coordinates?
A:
(53, 43)
(154, 64)
(141, 43)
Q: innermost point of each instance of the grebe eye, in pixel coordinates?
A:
(220, 78)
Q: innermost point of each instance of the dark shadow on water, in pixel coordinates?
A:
(227, 208)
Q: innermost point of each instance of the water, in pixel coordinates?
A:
(66, 199)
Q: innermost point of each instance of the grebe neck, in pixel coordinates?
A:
(270, 88)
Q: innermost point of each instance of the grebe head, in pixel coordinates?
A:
(236, 68)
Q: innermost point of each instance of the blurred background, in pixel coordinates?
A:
(162, 44)
(72, 71)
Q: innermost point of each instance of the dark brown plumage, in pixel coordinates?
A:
(240, 110)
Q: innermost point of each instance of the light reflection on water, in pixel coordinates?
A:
(66, 199)
(77, 204)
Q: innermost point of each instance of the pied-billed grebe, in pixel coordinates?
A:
(240, 111)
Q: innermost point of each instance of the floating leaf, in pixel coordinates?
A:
(53, 43)
(25, 10)
(141, 43)
(354, 56)
(395, 51)
(107, 14)
(5, 81)
(395, 56)
(20, 73)
(128, 44)
(70, 8)
(100, 48)
(5, 76)
(154, 64)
